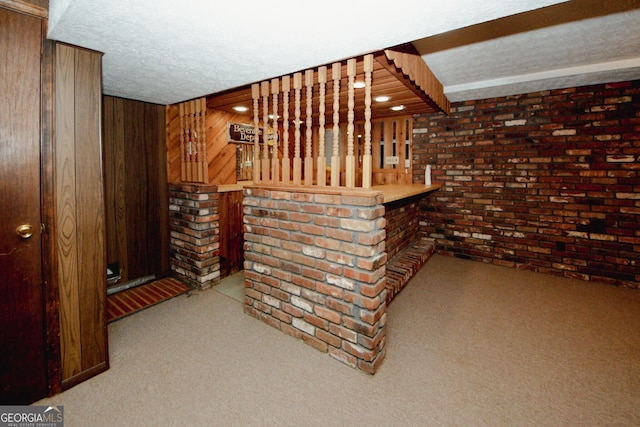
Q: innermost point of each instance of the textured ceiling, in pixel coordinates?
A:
(576, 43)
(166, 51)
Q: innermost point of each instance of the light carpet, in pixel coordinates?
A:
(469, 344)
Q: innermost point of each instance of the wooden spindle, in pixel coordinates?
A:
(265, 134)
(350, 160)
(297, 161)
(183, 157)
(286, 162)
(366, 158)
(308, 159)
(198, 126)
(255, 94)
(275, 166)
(336, 74)
(203, 132)
(191, 142)
(322, 160)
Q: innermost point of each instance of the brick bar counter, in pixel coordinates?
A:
(315, 268)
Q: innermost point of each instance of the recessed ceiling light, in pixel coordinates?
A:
(397, 107)
(241, 108)
(382, 98)
(358, 85)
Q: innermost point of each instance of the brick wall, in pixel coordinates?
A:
(194, 234)
(546, 181)
(402, 224)
(315, 269)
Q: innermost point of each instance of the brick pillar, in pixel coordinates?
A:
(194, 228)
(315, 269)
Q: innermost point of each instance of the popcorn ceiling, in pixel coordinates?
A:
(167, 51)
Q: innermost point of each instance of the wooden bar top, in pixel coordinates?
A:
(391, 192)
(394, 192)
(223, 188)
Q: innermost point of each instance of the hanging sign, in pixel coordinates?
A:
(242, 133)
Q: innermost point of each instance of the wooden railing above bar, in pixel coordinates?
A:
(312, 169)
(308, 81)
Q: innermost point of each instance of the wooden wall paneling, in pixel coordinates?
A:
(67, 245)
(157, 221)
(135, 188)
(147, 224)
(160, 144)
(115, 180)
(90, 208)
(173, 153)
(48, 195)
(221, 156)
(120, 180)
(109, 176)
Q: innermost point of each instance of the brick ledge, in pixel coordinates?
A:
(402, 267)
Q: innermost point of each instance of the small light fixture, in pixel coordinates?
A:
(359, 84)
(241, 108)
(382, 98)
(397, 107)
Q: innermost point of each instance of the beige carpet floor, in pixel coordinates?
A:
(469, 344)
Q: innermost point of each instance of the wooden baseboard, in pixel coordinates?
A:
(84, 375)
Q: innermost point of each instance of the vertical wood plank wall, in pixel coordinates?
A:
(80, 222)
(137, 202)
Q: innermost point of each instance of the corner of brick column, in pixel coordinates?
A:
(194, 234)
(315, 269)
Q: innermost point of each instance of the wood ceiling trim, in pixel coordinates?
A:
(398, 82)
(410, 69)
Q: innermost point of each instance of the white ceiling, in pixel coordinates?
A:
(167, 51)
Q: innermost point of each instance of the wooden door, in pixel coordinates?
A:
(231, 233)
(22, 323)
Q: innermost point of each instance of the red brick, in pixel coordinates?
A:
(329, 338)
(327, 314)
(315, 321)
(315, 342)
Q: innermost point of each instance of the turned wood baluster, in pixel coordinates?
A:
(192, 143)
(286, 163)
(265, 133)
(322, 160)
(183, 155)
(308, 159)
(198, 126)
(336, 74)
(297, 161)
(366, 158)
(350, 160)
(275, 165)
(203, 133)
(255, 94)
